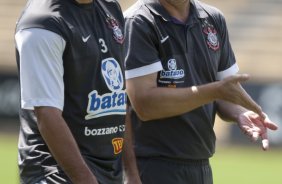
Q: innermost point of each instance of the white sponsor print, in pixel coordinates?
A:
(106, 104)
(112, 74)
(172, 72)
(104, 131)
(113, 103)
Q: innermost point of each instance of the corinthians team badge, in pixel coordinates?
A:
(117, 33)
(211, 35)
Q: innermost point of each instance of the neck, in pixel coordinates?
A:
(84, 1)
(178, 9)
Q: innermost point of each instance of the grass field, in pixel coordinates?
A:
(8, 159)
(232, 165)
(237, 165)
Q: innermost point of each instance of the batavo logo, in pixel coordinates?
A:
(113, 103)
(117, 144)
(172, 72)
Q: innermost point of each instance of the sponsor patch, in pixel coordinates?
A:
(172, 72)
(117, 145)
(104, 131)
(172, 86)
(112, 74)
(109, 103)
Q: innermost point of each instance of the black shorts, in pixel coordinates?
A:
(170, 171)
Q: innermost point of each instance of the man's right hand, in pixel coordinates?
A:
(231, 90)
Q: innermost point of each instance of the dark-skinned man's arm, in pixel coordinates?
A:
(62, 145)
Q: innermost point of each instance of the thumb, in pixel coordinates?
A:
(269, 124)
(241, 77)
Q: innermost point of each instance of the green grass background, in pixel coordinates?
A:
(231, 165)
(8, 159)
(247, 165)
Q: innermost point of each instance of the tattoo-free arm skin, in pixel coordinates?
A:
(62, 145)
(129, 160)
(153, 102)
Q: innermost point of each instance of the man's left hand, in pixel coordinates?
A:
(254, 126)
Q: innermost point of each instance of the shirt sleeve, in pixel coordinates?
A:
(227, 65)
(41, 68)
(141, 54)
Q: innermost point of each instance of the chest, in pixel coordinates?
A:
(94, 50)
(95, 35)
(190, 54)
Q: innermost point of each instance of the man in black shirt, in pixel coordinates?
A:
(181, 71)
(70, 55)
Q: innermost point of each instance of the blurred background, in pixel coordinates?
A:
(255, 33)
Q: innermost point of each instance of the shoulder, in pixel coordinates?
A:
(212, 11)
(33, 40)
(214, 14)
(111, 2)
(133, 10)
(42, 14)
(138, 15)
(138, 11)
(113, 7)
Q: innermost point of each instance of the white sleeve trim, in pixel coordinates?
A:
(144, 70)
(228, 72)
(41, 68)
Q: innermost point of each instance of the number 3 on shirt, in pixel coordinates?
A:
(104, 48)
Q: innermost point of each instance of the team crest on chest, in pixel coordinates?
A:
(211, 35)
(117, 33)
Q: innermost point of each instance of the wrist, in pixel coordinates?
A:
(83, 176)
(216, 86)
(210, 91)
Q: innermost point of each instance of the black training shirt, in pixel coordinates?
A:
(93, 100)
(184, 54)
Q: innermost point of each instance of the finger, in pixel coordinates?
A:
(269, 124)
(265, 144)
(255, 131)
(247, 131)
(259, 111)
(255, 136)
(241, 77)
(253, 106)
(250, 104)
(265, 141)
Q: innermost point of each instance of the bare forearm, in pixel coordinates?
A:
(61, 143)
(152, 102)
(228, 111)
(168, 102)
(129, 159)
